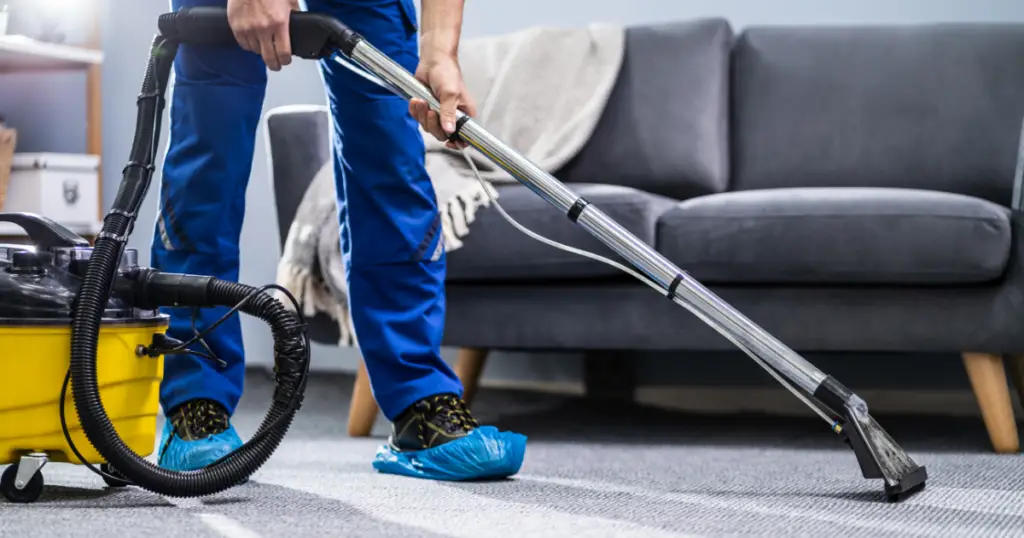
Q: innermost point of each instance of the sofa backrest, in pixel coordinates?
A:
(665, 127)
(932, 106)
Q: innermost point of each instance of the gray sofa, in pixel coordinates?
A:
(847, 188)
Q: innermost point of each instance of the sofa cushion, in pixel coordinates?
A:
(927, 107)
(495, 250)
(838, 236)
(665, 127)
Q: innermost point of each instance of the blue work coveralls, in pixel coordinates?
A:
(390, 226)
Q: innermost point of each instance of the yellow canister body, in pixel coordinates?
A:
(33, 364)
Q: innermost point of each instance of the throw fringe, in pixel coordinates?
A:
(460, 212)
(314, 296)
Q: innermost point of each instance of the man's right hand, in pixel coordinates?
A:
(261, 26)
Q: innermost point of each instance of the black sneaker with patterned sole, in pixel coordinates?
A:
(432, 422)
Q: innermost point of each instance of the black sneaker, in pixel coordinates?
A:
(432, 422)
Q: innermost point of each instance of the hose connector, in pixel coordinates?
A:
(150, 288)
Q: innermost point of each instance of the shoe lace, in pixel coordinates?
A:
(447, 411)
(200, 418)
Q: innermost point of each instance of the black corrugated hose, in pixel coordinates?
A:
(291, 345)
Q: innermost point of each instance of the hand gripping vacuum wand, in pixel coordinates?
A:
(315, 36)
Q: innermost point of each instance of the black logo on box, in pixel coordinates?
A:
(70, 192)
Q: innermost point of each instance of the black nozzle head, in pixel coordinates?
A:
(878, 454)
(880, 457)
(907, 485)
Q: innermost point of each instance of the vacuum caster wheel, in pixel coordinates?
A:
(117, 480)
(19, 488)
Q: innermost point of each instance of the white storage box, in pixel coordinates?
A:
(61, 186)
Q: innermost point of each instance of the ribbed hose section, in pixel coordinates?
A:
(289, 342)
(290, 357)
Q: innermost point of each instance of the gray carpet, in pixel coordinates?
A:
(589, 472)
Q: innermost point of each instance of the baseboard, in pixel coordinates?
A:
(726, 400)
(568, 388)
(952, 403)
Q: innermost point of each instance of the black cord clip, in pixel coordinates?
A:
(136, 164)
(577, 208)
(121, 212)
(671, 295)
(165, 345)
(159, 96)
(456, 135)
(113, 237)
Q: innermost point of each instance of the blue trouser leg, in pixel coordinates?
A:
(390, 225)
(215, 108)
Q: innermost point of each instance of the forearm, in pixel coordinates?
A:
(441, 27)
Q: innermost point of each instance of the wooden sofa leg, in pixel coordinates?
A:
(362, 412)
(469, 365)
(988, 379)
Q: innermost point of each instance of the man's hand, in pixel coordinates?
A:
(441, 28)
(441, 73)
(261, 26)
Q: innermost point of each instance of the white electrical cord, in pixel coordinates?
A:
(590, 255)
(545, 240)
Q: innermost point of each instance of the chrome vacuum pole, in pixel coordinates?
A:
(673, 280)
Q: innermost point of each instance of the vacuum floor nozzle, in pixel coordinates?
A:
(878, 454)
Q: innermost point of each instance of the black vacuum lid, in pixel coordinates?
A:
(40, 281)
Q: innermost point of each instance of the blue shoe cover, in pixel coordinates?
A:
(484, 454)
(183, 455)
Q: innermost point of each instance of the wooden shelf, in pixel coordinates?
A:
(26, 55)
(86, 230)
(23, 54)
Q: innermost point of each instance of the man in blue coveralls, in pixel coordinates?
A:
(390, 227)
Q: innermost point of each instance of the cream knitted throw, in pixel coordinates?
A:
(541, 90)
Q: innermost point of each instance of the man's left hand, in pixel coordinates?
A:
(441, 73)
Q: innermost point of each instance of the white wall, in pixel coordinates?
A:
(130, 24)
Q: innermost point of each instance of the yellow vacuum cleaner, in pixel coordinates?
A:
(43, 293)
(61, 297)
(38, 287)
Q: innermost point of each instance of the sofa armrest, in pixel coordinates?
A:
(1018, 177)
